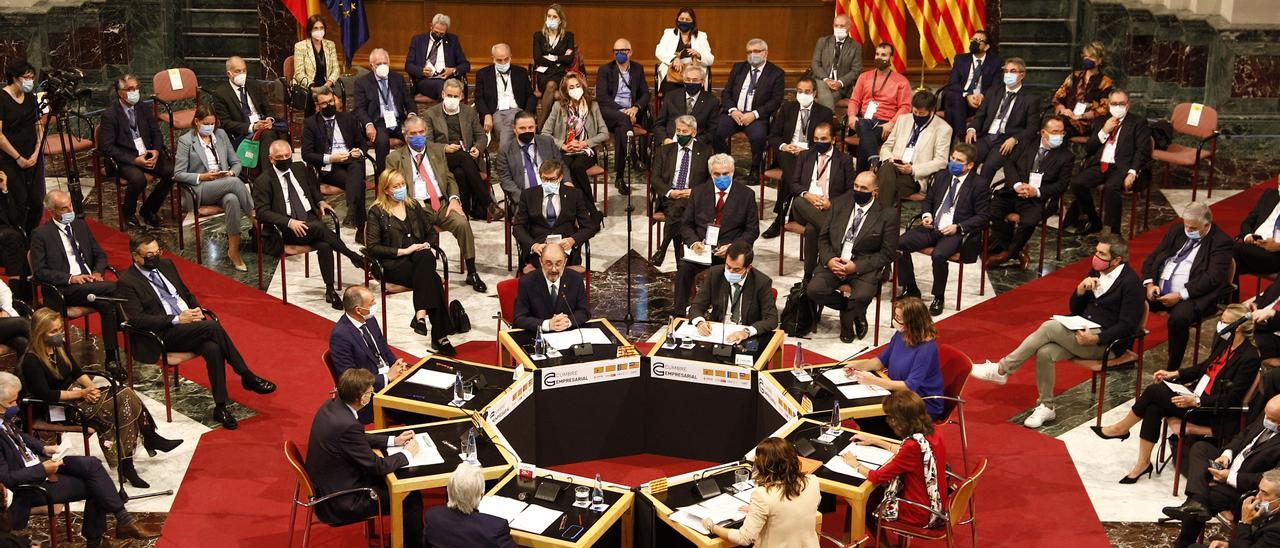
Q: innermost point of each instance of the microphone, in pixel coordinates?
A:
(94, 298)
(723, 350)
(583, 348)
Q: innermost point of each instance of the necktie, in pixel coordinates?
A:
(683, 175)
(835, 61)
(1277, 225)
(688, 103)
(1262, 438)
(1003, 112)
(75, 249)
(431, 53)
(373, 346)
(1035, 164)
(1111, 141)
(329, 124)
(553, 290)
(977, 75)
(950, 199)
(528, 165)
(430, 184)
(17, 440)
(244, 104)
(170, 301)
(385, 92)
(857, 222)
(719, 207)
(297, 210)
(751, 90)
(133, 123)
(1166, 286)
(823, 177)
(735, 310)
(551, 210)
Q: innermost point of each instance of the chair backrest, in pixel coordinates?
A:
(288, 69)
(961, 497)
(507, 298)
(1207, 125)
(955, 366)
(294, 456)
(164, 88)
(328, 366)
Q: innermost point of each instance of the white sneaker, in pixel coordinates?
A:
(1039, 416)
(989, 371)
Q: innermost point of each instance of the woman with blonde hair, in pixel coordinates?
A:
(910, 359)
(553, 55)
(1082, 97)
(49, 374)
(784, 504)
(577, 126)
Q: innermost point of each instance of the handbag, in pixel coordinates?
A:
(248, 150)
(458, 317)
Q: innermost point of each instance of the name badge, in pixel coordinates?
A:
(909, 155)
(1035, 180)
(846, 250)
(1200, 386)
(1167, 273)
(389, 119)
(1193, 116)
(33, 461)
(253, 119)
(713, 235)
(871, 110)
(138, 144)
(1080, 108)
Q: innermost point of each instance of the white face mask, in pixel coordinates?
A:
(553, 24)
(840, 33)
(373, 311)
(451, 103)
(239, 79)
(381, 71)
(1118, 111)
(805, 99)
(317, 34)
(575, 94)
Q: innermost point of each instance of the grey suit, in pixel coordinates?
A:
(229, 192)
(402, 160)
(846, 68)
(595, 133)
(511, 168)
(476, 197)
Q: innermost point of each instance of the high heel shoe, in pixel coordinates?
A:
(1128, 480)
(130, 474)
(1098, 430)
(152, 441)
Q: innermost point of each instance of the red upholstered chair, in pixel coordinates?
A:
(328, 366)
(387, 288)
(104, 171)
(304, 495)
(198, 211)
(600, 178)
(167, 94)
(962, 497)
(51, 509)
(1205, 132)
(167, 361)
(507, 304)
(1099, 368)
(956, 367)
(958, 258)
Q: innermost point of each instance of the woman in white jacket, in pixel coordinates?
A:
(680, 46)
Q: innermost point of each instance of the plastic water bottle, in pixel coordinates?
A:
(470, 447)
(597, 493)
(458, 395)
(833, 427)
(539, 344)
(798, 362)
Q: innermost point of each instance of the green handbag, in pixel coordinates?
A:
(248, 151)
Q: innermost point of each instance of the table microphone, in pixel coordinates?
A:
(94, 298)
(583, 348)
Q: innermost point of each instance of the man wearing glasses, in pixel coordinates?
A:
(1009, 114)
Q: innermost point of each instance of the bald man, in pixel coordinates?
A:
(836, 60)
(623, 95)
(382, 104)
(553, 298)
(242, 107)
(502, 91)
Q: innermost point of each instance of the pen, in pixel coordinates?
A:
(450, 445)
(579, 519)
(563, 520)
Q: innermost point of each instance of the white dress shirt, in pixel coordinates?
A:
(420, 186)
(799, 136)
(337, 142)
(71, 254)
(821, 168)
(1105, 281)
(210, 156)
(1236, 464)
(557, 287)
(846, 250)
(997, 125)
(382, 365)
(1267, 228)
(284, 190)
(254, 114)
(506, 92)
(745, 102)
(1109, 149)
(728, 313)
(973, 73)
(945, 217)
(681, 151)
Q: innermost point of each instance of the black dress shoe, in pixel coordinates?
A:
(419, 326)
(846, 334)
(223, 416)
(333, 299)
(658, 256)
(1098, 430)
(774, 229)
(1089, 228)
(258, 384)
(443, 347)
(859, 328)
(935, 307)
(360, 235)
(623, 188)
(152, 219)
(907, 292)
(132, 222)
(1189, 511)
(473, 280)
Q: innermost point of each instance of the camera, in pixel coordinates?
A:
(62, 87)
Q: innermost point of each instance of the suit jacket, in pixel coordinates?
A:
(1023, 119)
(738, 220)
(1133, 144)
(1055, 169)
(1262, 457)
(758, 307)
(340, 456)
(557, 125)
(116, 137)
(769, 91)
(1261, 210)
(382, 242)
(1233, 380)
(402, 159)
(304, 62)
(565, 50)
(706, 109)
(533, 301)
(972, 203)
(144, 309)
(49, 258)
(347, 350)
(783, 126)
(933, 146)
(824, 55)
(14, 471)
(839, 173)
(1263, 532)
(487, 83)
(269, 200)
(316, 139)
(1209, 275)
(607, 86)
(572, 219)
(190, 161)
(416, 59)
(1267, 298)
(665, 165)
(510, 162)
(1119, 310)
(226, 106)
(369, 99)
(876, 243)
(468, 121)
(989, 74)
(449, 528)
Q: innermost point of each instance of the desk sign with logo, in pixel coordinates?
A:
(510, 399)
(781, 403)
(561, 376)
(676, 369)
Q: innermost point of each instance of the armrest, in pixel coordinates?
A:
(372, 494)
(940, 515)
(73, 412)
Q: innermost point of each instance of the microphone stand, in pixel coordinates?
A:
(628, 319)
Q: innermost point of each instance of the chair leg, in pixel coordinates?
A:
(1177, 465)
(1102, 392)
(1195, 344)
(306, 530)
(960, 285)
(1164, 434)
(876, 337)
(782, 246)
(1062, 210)
(196, 231)
(168, 400)
(293, 512)
(284, 280)
(605, 194)
(1044, 228)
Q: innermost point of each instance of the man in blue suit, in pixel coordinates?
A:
(623, 96)
(356, 342)
(382, 106)
(971, 73)
(752, 94)
(131, 136)
(459, 524)
(434, 57)
(554, 298)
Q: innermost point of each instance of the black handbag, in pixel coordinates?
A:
(458, 317)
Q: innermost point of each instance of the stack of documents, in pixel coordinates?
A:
(1076, 323)
(433, 379)
(521, 515)
(870, 456)
(719, 331)
(849, 388)
(719, 509)
(428, 453)
(567, 339)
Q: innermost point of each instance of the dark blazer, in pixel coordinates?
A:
(706, 109)
(1263, 532)
(876, 244)
(316, 138)
(143, 307)
(1209, 275)
(226, 106)
(973, 202)
(347, 350)
(49, 258)
(607, 86)
(1024, 116)
(839, 173)
(758, 307)
(369, 98)
(992, 68)
(1264, 456)
(1232, 381)
(770, 88)
(533, 302)
(382, 242)
(469, 123)
(1133, 144)
(487, 83)
(14, 471)
(1119, 310)
(269, 200)
(449, 528)
(340, 456)
(572, 219)
(1261, 210)
(784, 122)
(738, 220)
(116, 137)
(510, 162)
(416, 59)
(562, 51)
(1055, 168)
(665, 166)
(1270, 295)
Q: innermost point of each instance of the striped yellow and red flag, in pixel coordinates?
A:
(857, 18)
(887, 22)
(945, 26)
(925, 13)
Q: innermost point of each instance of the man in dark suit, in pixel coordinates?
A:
(502, 91)
(552, 210)
(459, 523)
(1259, 517)
(856, 242)
(25, 460)
(678, 167)
(434, 57)
(971, 74)
(1187, 274)
(718, 215)
(241, 107)
(835, 64)
(824, 175)
(334, 146)
(64, 253)
(1035, 175)
(382, 104)
(519, 158)
(340, 456)
(1009, 114)
(1110, 296)
(790, 134)
(131, 136)
(287, 196)
(751, 95)
(156, 299)
(622, 92)
(692, 99)
(1119, 150)
(957, 205)
(456, 125)
(1217, 478)
(735, 293)
(554, 298)
(356, 342)
(1257, 248)
(1266, 329)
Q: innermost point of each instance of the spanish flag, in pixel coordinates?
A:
(302, 10)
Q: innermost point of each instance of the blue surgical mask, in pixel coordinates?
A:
(1010, 79)
(417, 142)
(732, 277)
(756, 59)
(28, 85)
(1193, 234)
(400, 193)
(1055, 141)
(133, 96)
(1268, 424)
(620, 57)
(67, 217)
(550, 188)
(722, 182)
(1088, 64)
(820, 147)
(10, 413)
(206, 129)
(955, 168)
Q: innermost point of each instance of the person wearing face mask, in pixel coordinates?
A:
(836, 60)
(242, 108)
(623, 95)
(915, 150)
(341, 457)
(315, 61)
(382, 104)
(1110, 296)
(21, 131)
(822, 176)
(735, 293)
(681, 47)
(1082, 97)
(334, 146)
(553, 211)
(552, 298)
(1216, 478)
(691, 99)
(157, 300)
(356, 341)
(1037, 172)
(1220, 381)
(1119, 149)
(577, 125)
(456, 125)
(972, 73)
(753, 92)
(879, 96)
(718, 215)
(678, 167)
(435, 56)
(1258, 526)
(502, 91)
(131, 136)
(856, 243)
(519, 158)
(790, 136)
(209, 168)
(1007, 116)
(554, 53)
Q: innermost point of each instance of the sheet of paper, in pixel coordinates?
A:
(428, 453)
(175, 79)
(839, 466)
(535, 519)
(718, 330)
(566, 339)
(837, 376)
(503, 507)
(724, 507)
(744, 495)
(870, 455)
(704, 258)
(688, 519)
(855, 391)
(434, 379)
(1179, 389)
(1193, 115)
(1075, 323)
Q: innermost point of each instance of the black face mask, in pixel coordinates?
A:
(282, 165)
(975, 48)
(821, 147)
(151, 262)
(920, 120)
(328, 110)
(525, 137)
(861, 198)
(436, 36)
(882, 64)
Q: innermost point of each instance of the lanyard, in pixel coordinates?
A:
(875, 76)
(209, 147)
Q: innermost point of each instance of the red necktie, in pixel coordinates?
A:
(431, 186)
(719, 207)
(1111, 140)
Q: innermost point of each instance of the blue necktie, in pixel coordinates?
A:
(682, 178)
(977, 75)
(551, 211)
(528, 166)
(170, 302)
(75, 248)
(751, 89)
(950, 199)
(1166, 286)
(133, 123)
(853, 228)
(244, 104)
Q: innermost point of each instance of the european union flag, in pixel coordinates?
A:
(355, 30)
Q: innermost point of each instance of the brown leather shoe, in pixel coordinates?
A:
(1024, 259)
(997, 259)
(135, 531)
(496, 213)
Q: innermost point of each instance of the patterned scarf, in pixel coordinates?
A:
(577, 125)
(893, 491)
